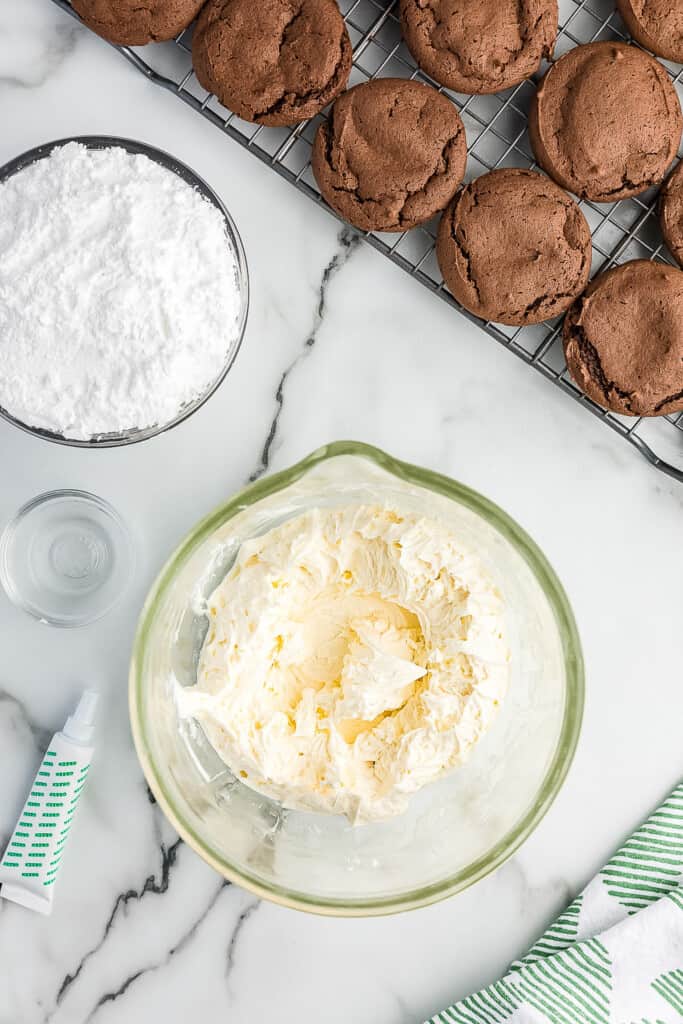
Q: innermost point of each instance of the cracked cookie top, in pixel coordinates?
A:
(514, 248)
(480, 47)
(137, 22)
(606, 122)
(671, 212)
(274, 62)
(391, 155)
(623, 339)
(656, 24)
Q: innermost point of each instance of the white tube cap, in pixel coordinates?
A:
(80, 726)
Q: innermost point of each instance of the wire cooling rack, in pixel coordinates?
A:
(497, 137)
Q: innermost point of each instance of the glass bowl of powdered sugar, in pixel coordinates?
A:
(123, 291)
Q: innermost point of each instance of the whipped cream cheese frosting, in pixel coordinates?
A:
(353, 655)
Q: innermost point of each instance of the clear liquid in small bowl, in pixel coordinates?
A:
(66, 558)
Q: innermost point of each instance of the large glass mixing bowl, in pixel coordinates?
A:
(456, 830)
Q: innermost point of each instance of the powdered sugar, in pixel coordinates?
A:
(119, 293)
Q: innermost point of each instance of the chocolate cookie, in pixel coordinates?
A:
(623, 339)
(274, 62)
(391, 155)
(513, 247)
(656, 25)
(479, 47)
(137, 22)
(606, 122)
(671, 212)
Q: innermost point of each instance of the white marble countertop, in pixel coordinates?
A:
(340, 344)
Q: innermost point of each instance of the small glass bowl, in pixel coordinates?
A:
(456, 830)
(66, 558)
(113, 440)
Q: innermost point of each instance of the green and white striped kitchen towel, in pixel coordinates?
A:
(615, 956)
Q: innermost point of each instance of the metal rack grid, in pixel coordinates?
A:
(496, 134)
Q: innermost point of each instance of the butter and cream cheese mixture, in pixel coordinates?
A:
(353, 656)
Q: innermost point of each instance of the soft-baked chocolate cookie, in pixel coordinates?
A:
(656, 25)
(274, 62)
(623, 339)
(606, 122)
(514, 248)
(479, 47)
(391, 155)
(137, 22)
(671, 212)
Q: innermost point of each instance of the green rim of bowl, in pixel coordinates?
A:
(573, 710)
